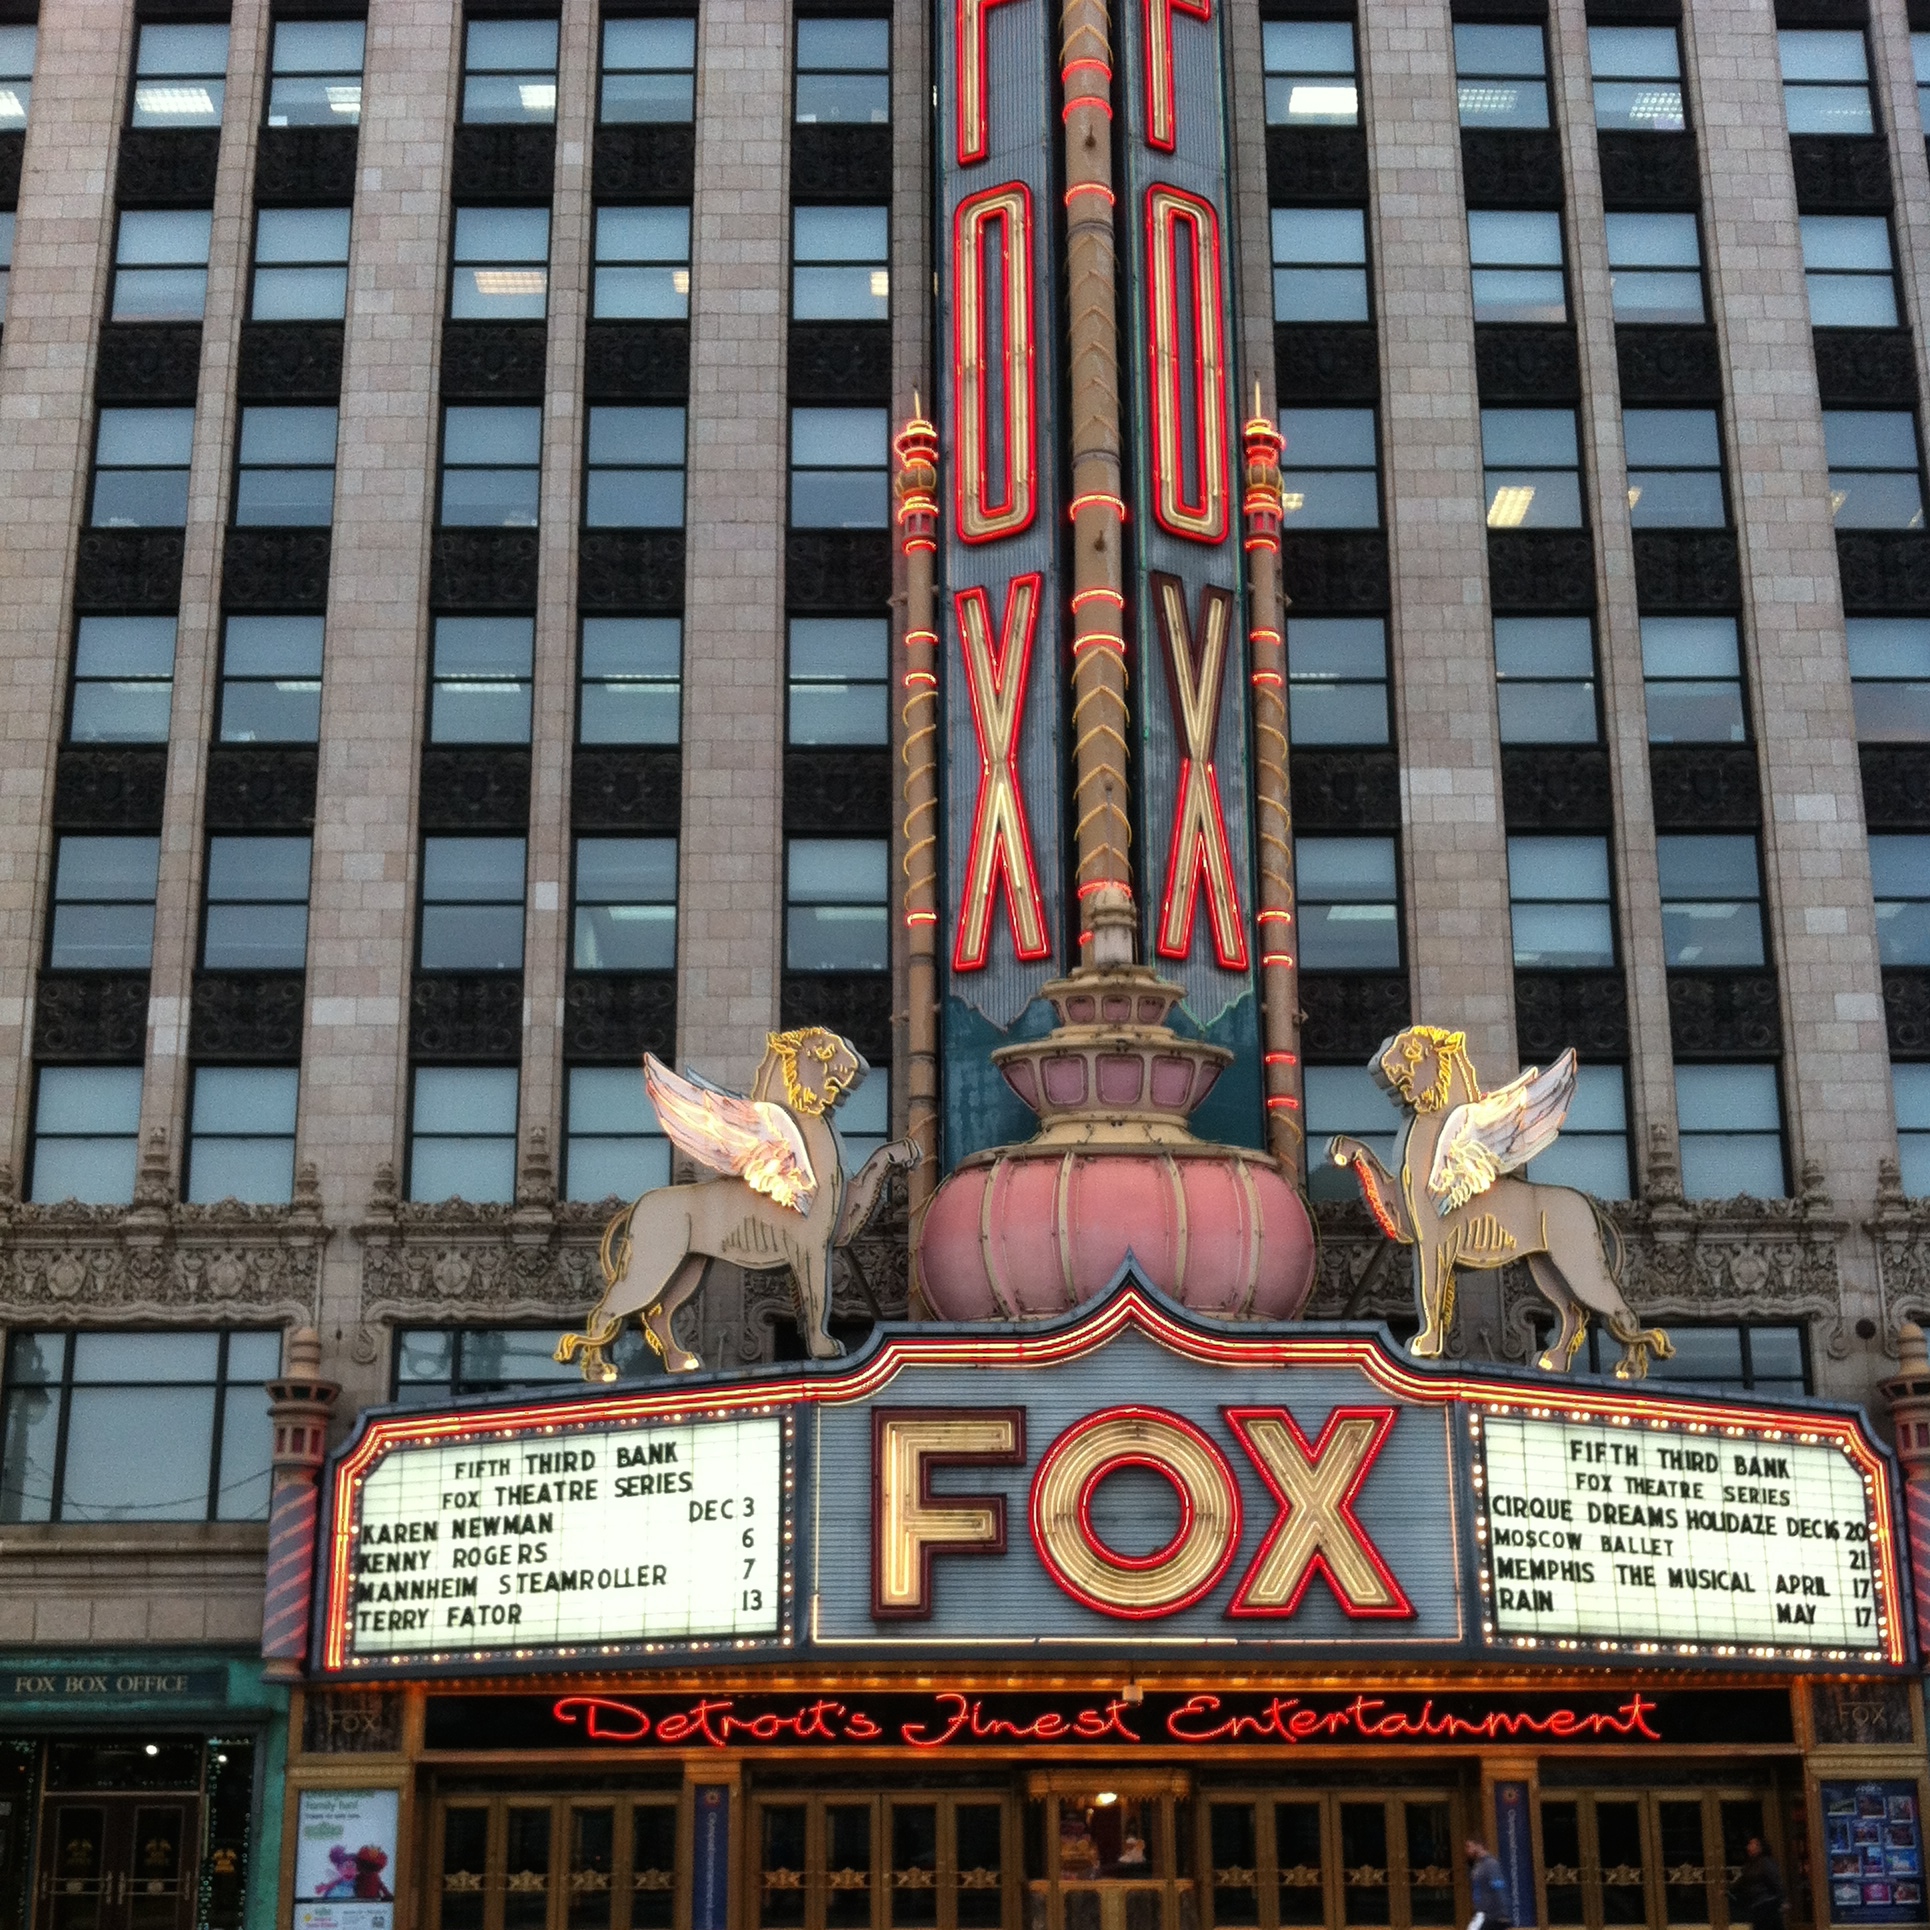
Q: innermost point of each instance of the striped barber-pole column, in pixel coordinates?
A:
(299, 1405)
(1908, 1392)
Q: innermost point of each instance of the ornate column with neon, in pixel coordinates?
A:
(299, 1405)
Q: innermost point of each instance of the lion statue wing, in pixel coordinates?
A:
(1499, 1132)
(750, 1139)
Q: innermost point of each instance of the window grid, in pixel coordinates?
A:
(837, 905)
(462, 1133)
(472, 904)
(1518, 267)
(1875, 481)
(649, 70)
(1349, 890)
(301, 265)
(1560, 904)
(631, 682)
(1501, 76)
(1638, 80)
(840, 268)
(633, 471)
(1674, 469)
(1545, 683)
(843, 72)
(315, 77)
(86, 1133)
(1692, 681)
(104, 890)
(481, 676)
(1330, 475)
(17, 45)
(642, 269)
(1337, 680)
(439, 1363)
(613, 1145)
(1826, 81)
(509, 72)
(1729, 1125)
(1320, 265)
(256, 916)
(1711, 885)
(624, 905)
(1310, 73)
(123, 685)
(840, 688)
(241, 1140)
(285, 468)
(180, 76)
(1890, 678)
(1531, 468)
(161, 265)
(141, 459)
(271, 680)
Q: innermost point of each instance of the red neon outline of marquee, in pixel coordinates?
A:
(1162, 115)
(1167, 209)
(979, 520)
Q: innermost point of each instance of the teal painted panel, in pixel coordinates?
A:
(980, 1108)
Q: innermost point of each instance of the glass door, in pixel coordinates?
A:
(118, 1862)
(1662, 1859)
(1118, 1856)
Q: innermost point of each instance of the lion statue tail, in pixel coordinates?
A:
(613, 1250)
(1638, 1342)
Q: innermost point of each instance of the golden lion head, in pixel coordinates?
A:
(819, 1068)
(1418, 1065)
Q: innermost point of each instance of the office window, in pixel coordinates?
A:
(462, 1134)
(141, 468)
(315, 78)
(642, 264)
(863, 1118)
(241, 1139)
(1826, 81)
(180, 76)
(1752, 1359)
(1517, 263)
(1532, 472)
(1730, 1122)
(632, 684)
(1344, 1099)
(499, 269)
(1310, 73)
(1544, 670)
(301, 265)
(1558, 898)
(1692, 678)
(839, 469)
(16, 76)
(613, 1146)
(1337, 680)
(6, 255)
(1674, 469)
(1890, 678)
(286, 474)
(1319, 265)
(1920, 59)
(1501, 76)
(509, 71)
(1655, 267)
(840, 270)
(649, 70)
(840, 689)
(1873, 477)
(837, 905)
(634, 477)
(472, 904)
(489, 465)
(1592, 1152)
(86, 1137)
(138, 1426)
(271, 680)
(103, 904)
(123, 680)
(625, 912)
(161, 265)
(435, 1364)
(479, 680)
(1849, 270)
(1330, 476)
(257, 919)
(1900, 881)
(844, 71)
(1910, 1084)
(1349, 904)
(1638, 79)
(1711, 900)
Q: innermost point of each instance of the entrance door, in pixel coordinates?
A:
(118, 1862)
(553, 1863)
(1113, 1853)
(1662, 1859)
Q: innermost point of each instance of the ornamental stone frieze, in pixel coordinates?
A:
(161, 1257)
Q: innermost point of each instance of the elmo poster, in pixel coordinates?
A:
(345, 1860)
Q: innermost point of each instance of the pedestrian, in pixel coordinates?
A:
(1759, 1889)
(1493, 1907)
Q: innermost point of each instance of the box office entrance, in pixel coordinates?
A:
(1666, 1859)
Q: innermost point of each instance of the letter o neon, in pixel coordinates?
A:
(1135, 1586)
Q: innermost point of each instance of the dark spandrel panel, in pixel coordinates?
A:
(485, 788)
(837, 569)
(1856, 366)
(246, 1017)
(1511, 167)
(494, 361)
(619, 1016)
(1724, 1015)
(290, 362)
(1541, 569)
(838, 790)
(840, 362)
(636, 361)
(1884, 569)
(1346, 790)
(1669, 364)
(645, 161)
(148, 362)
(12, 146)
(344, 1722)
(474, 1016)
(855, 1004)
(1906, 1009)
(1841, 173)
(833, 163)
(128, 570)
(1345, 1017)
(1687, 570)
(261, 790)
(118, 787)
(1316, 164)
(1556, 1010)
(1896, 786)
(1697, 787)
(1340, 363)
(504, 163)
(275, 570)
(483, 569)
(1555, 788)
(1649, 170)
(1334, 571)
(1526, 364)
(97, 1016)
(166, 167)
(630, 569)
(316, 165)
(1868, 1714)
(626, 789)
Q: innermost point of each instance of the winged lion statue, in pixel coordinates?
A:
(784, 1200)
(1454, 1203)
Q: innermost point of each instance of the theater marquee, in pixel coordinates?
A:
(1126, 1482)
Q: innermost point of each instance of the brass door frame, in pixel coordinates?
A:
(1179, 1845)
(121, 1885)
